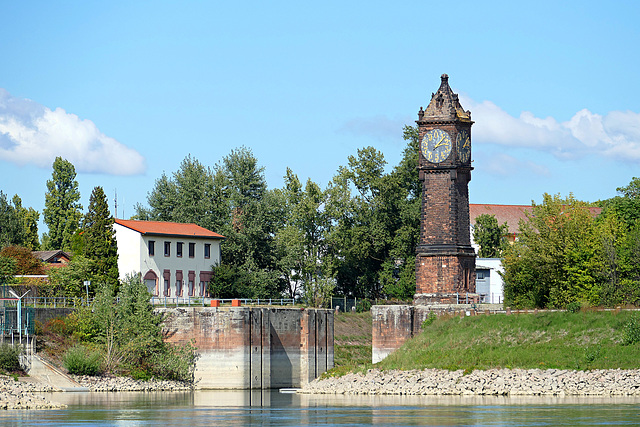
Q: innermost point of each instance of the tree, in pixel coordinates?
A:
(490, 236)
(25, 262)
(302, 242)
(254, 214)
(70, 279)
(62, 212)
(11, 227)
(29, 218)
(99, 239)
(398, 270)
(361, 233)
(129, 334)
(7, 270)
(557, 258)
(375, 220)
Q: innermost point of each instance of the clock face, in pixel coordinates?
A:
(463, 144)
(436, 145)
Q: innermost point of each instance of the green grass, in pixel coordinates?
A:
(561, 340)
(352, 342)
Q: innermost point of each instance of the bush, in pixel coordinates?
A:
(176, 362)
(574, 307)
(631, 331)
(429, 320)
(140, 374)
(79, 360)
(363, 305)
(9, 360)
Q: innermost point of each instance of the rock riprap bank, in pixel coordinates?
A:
(500, 382)
(23, 395)
(128, 384)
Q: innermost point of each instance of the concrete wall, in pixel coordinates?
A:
(254, 348)
(392, 325)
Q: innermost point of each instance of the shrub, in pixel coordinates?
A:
(574, 307)
(140, 374)
(79, 360)
(9, 360)
(363, 305)
(631, 331)
(429, 320)
(55, 326)
(176, 362)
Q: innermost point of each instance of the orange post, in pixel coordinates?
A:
(235, 303)
(215, 303)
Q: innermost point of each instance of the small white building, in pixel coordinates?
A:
(174, 259)
(489, 281)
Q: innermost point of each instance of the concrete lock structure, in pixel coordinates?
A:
(251, 347)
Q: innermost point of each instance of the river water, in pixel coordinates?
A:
(239, 408)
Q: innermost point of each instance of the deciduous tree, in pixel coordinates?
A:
(62, 212)
(490, 236)
(557, 257)
(11, 227)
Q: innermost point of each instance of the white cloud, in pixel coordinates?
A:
(614, 136)
(31, 133)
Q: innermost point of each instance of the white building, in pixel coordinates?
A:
(174, 259)
(489, 281)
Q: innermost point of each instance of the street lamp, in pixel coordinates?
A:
(19, 310)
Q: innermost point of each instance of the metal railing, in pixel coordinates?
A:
(62, 302)
(206, 301)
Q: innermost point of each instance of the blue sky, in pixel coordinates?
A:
(126, 90)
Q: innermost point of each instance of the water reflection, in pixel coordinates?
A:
(273, 408)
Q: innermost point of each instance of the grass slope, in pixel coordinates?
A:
(352, 341)
(562, 340)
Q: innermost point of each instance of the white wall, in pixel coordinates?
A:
(496, 289)
(133, 257)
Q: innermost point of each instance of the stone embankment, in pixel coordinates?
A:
(128, 384)
(500, 382)
(22, 395)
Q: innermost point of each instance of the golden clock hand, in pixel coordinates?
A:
(439, 143)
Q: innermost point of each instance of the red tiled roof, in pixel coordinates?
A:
(168, 228)
(511, 214)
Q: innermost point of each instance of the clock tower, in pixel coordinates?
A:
(445, 261)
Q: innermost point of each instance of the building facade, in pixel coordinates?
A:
(174, 259)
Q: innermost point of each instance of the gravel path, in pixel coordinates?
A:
(499, 382)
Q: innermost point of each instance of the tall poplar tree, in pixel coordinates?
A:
(99, 239)
(62, 212)
(29, 218)
(11, 229)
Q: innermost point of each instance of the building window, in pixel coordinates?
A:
(192, 277)
(178, 288)
(207, 250)
(167, 248)
(179, 249)
(192, 250)
(152, 247)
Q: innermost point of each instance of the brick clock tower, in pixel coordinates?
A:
(445, 261)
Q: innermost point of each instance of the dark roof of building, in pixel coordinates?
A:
(47, 256)
(168, 228)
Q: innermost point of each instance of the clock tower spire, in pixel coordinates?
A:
(445, 260)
